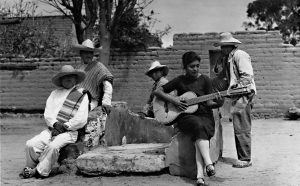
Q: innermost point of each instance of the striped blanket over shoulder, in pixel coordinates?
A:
(70, 106)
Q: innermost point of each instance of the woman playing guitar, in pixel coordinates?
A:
(199, 125)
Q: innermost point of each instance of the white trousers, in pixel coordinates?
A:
(42, 151)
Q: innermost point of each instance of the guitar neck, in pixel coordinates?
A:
(207, 97)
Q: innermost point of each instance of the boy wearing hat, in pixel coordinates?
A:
(66, 111)
(236, 70)
(158, 73)
(98, 83)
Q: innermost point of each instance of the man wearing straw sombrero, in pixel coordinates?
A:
(157, 72)
(98, 83)
(236, 70)
(66, 111)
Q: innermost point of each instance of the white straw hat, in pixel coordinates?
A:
(86, 45)
(227, 39)
(68, 70)
(156, 65)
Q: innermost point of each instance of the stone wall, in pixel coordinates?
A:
(25, 83)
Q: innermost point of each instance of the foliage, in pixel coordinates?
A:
(283, 15)
(31, 37)
(133, 34)
(83, 13)
(126, 22)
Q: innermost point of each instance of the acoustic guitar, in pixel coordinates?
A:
(165, 112)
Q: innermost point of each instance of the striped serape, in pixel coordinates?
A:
(70, 106)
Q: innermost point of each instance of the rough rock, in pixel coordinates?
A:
(122, 122)
(129, 158)
(216, 142)
(292, 113)
(71, 151)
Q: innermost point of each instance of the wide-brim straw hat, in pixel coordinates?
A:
(227, 39)
(68, 70)
(155, 66)
(86, 45)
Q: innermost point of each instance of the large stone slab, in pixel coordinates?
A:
(121, 124)
(130, 158)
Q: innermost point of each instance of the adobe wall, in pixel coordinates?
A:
(26, 83)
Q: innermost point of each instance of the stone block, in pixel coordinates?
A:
(180, 155)
(130, 158)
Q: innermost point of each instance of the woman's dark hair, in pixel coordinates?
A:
(189, 57)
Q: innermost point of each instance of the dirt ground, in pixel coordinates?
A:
(276, 159)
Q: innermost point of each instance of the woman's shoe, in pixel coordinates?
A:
(210, 170)
(201, 182)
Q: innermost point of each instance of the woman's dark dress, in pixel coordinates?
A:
(201, 124)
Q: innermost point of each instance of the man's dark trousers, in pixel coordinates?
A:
(242, 130)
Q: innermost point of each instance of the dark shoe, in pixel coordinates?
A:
(27, 173)
(201, 182)
(242, 164)
(210, 170)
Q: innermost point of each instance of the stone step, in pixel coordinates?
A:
(129, 158)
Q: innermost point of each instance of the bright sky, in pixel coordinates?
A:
(200, 16)
(194, 16)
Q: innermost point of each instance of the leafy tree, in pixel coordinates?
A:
(25, 36)
(283, 15)
(133, 33)
(116, 23)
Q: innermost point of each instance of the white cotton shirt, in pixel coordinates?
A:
(107, 95)
(244, 68)
(54, 104)
(108, 90)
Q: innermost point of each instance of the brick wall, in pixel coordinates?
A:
(276, 68)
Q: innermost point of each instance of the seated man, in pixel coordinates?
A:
(66, 111)
(157, 73)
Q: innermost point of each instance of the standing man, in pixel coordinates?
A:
(66, 111)
(98, 83)
(237, 69)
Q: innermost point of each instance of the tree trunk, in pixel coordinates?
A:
(104, 32)
(79, 33)
(105, 40)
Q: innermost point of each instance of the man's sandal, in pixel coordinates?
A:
(242, 164)
(201, 182)
(27, 173)
(210, 170)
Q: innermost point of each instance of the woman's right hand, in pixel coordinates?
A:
(180, 104)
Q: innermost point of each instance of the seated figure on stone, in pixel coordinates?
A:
(65, 113)
(200, 125)
(98, 83)
(157, 73)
